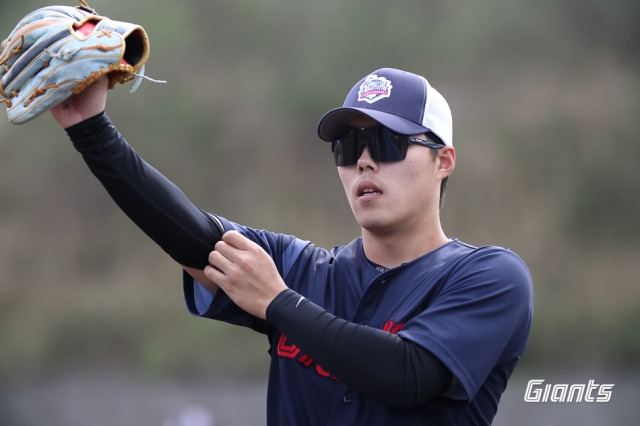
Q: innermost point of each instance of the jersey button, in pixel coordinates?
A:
(347, 398)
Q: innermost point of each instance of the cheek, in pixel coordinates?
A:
(412, 171)
(341, 175)
(345, 177)
(415, 179)
(420, 164)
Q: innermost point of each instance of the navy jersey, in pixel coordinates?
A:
(470, 307)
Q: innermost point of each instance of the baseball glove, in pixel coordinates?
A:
(57, 51)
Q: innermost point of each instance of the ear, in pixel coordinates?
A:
(446, 161)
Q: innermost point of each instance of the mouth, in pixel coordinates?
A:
(368, 190)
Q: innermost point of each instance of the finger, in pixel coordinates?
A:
(237, 240)
(215, 275)
(219, 261)
(227, 250)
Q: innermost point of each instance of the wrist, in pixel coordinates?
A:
(87, 131)
(86, 124)
(283, 302)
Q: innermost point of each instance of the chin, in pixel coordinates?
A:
(374, 226)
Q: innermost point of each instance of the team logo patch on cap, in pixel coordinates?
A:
(374, 88)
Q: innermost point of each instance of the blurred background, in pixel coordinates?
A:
(545, 97)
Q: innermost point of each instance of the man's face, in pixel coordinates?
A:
(395, 197)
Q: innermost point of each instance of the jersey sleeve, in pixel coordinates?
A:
(283, 249)
(480, 320)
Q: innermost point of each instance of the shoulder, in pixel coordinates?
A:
(488, 267)
(493, 258)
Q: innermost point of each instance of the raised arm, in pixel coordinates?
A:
(155, 204)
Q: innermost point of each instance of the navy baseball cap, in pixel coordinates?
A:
(402, 101)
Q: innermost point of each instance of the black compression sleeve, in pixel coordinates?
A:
(187, 233)
(375, 363)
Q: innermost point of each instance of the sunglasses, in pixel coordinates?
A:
(384, 145)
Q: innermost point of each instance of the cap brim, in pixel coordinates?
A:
(331, 125)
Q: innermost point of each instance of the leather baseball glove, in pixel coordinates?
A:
(57, 51)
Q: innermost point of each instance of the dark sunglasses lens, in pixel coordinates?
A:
(383, 146)
(388, 147)
(345, 150)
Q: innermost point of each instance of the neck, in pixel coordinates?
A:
(393, 249)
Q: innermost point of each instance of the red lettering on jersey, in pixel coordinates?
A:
(291, 351)
(322, 372)
(287, 351)
(397, 328)
(305, 360)
(392, 327)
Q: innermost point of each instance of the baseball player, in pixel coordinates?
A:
(402, 326)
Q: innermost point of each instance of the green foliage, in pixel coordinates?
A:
(545, 103)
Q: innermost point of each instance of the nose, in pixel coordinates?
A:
(365, 162)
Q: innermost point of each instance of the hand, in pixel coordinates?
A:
(245, 272)
(91, 101)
